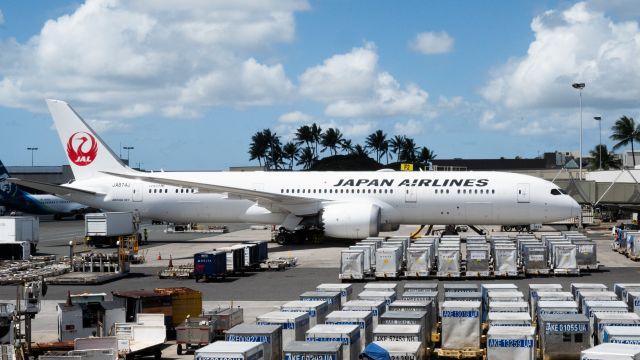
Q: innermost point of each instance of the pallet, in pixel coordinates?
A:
(566, 272)
(460, 353)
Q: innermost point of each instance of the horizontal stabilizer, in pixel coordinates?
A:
(58, 190)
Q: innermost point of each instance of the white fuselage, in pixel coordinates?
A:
(58, 205)
(482, 198)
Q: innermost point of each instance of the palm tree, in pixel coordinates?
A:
(425, 155)
(316, 134)
(385, 150)
(306, 158)
(290, 152)
(330, 139)
(625, 132)
(396, 144)
(346, 146)
(608, 158)
(303, 135)
(258, 148)
(376, 142)
(408, 150)
(360, 151)
(273, 158)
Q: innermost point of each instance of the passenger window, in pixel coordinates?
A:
(166, 191)
(447, 191)
(391, 191)
(493, 191)
(458, 191)
(149, 191)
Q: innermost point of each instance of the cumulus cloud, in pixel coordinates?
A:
(351, 85)
(295, 117)
(575, 44)
(430, 43)
(411, 127)
(172, 58)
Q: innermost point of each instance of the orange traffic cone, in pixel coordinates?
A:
(159, 257)
(170, 261)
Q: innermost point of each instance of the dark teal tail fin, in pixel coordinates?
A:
(7, 189)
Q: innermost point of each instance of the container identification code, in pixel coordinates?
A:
(460, 313)
(626, 341)
(402, 357)
(344, 340)
(565, 328)
(396, 338)
(309, 357)
(250, 338)
(285, 326)
(360, 324)
(510, 343)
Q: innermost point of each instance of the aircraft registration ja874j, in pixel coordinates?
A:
(349, 205)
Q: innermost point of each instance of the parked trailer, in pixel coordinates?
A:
(107, 228)
(511, 342)
(303, 350)
(20, 229)
(348, 335)
(209, 265)
(230, 350)
(269, 335)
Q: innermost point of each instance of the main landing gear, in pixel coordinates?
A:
(300, 236)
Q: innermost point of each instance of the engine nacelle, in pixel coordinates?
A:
(351, 220)
(389, 227)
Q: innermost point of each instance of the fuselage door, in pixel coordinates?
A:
(136, 189)
(410, 195)
(523, 193)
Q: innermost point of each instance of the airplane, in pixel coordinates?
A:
(345, 205)
(38, 204)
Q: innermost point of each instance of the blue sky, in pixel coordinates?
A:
(187, 84)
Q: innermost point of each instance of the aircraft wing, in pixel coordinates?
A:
(51, 188)
(285, 201)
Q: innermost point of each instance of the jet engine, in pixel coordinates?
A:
(351, 220)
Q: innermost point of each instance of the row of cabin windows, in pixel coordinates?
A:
(167, 190)
(464, 191)
(337, 191)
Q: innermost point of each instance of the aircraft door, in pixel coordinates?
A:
(410, 195)
(136, 194)
(523, 193)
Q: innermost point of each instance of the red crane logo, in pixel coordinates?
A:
(82, 148)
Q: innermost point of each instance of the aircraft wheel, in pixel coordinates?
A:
(518, 228)
(282, 238)
(507, 228)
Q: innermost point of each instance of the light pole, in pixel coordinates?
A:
(128, 148)
(599, 119)
(32, 149)
(579, 87)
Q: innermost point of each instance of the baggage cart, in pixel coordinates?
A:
(194, 333)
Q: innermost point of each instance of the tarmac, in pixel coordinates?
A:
(261, 291)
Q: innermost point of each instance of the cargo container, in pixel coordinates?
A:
(230, 350)
(377, 307)
(463, 296)
(94, 354)
(87, 319)
(20, 229)
(106, 228)
(269, 335)
(388, 262)
(509, 306)
(592, 306)
(633, 301)
(144, 301)
(621, 335)
(621, 289)
(505, 261)
(381, 286)
(461, 325)
(424, 296)
(366, 257)
(20, 250)
(611, 351)
(209, 265)
(352, 265)
(224, 318)
(250, 255)
(587, 286)
(303, 350)
(461, 287)
(564, 259)
(420, 286)
(534, 289)
(563, 335)
(511, 342)
(418, 263)
(185, 302)
(410, 350)
(294, 324)
(508, 319)
(194, 333)
(600, 320)
(332, 298)
(478, 260)
(586, 254)
(552, 307)
(449, 262)
(563, 299)
(108, 343)
(399, 333)
(317, 310)
(585, 295)
(234, 259)
(422, 318)
(346, 290)
(535, 260)
(387, 296)
(363, 319)
(348, 335)
(263, 249)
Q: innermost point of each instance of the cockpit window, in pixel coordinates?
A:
(564, 192)
(555, 192)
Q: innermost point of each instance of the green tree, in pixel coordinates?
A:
(376, 142)
(625, 132)
(609, 160)
(426, 155)
(316, 134)
(306, 158)
(346, 146)
(290, 152)
(360, 150)
(273, 158)
(259, 147)
(331, 139)
(304, 136)
(395, 145)
(409, 150)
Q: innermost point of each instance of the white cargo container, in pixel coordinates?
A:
(485, 288)
(109, 224)
(387, 296)
(600, 320)
(422, 318)
(587, 286)
(418, 262)
(591, 306)
(294, 324)
(269, 335)
(564, 259)
(363, 319)
(461, 325)
(553, 307)
(348, 335)
(621, 334)
(377, 307)
(611, 351)
(584, 295)
(346, 290)
(505, 260)
(509, 319)
(621, 289)
(411, 350)
(303, 350)
(633, 301)
(317, 310)
(19, 229)
(366, 251)
(381, 286)
(228, 350)
(333, 298)
(420, 286)
(511, 342)
(352, 265)
(400, 333)
(509, 306)
(388, 262)
(449, 261)
(95, 354)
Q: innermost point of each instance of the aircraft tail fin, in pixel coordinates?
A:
(87, 153)
(8, 190)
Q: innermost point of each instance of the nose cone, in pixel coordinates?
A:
(576, 209)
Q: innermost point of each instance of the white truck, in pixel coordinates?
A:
(15, 231)
(107, 228)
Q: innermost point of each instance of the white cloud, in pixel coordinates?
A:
(488, 121)
(172, 58)
(410, 128)
(576, 44)
(351, 85)
(430, 43)
(294, 117)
